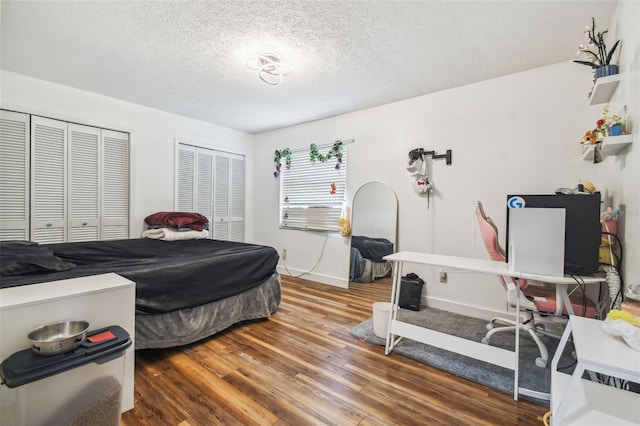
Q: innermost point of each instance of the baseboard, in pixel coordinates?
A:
(321, 278)
(434, 302)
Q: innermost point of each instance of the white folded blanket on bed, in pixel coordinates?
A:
(168, 234)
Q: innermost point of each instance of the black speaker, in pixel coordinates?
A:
(410, 292)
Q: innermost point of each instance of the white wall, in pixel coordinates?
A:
(621, 175)
(153, 135)
(518, 133)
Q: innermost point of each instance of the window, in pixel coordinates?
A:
(312, 194)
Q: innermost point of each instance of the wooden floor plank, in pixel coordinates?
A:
(302, 367)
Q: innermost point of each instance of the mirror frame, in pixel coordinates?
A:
(393, 197)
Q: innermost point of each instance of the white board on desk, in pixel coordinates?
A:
(536, 240)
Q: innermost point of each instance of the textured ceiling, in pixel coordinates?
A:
(189, 57)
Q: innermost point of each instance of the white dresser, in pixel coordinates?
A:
(102, 300)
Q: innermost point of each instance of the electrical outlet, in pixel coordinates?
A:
(284, 254)
(443, 277)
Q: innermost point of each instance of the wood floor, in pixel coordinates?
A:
(301, 367)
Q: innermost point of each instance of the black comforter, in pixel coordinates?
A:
(169, 275)
(370, 248)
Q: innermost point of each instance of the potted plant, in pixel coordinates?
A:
(612, 124)
(596, 52)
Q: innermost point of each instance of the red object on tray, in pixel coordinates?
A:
(101, 337)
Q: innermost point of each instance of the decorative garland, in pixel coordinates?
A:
(286, 153)
(335, 151)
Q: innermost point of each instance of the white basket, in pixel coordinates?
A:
(381, 312)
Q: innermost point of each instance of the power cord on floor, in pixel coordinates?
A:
(286, 268)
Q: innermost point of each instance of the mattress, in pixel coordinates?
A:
(169, 275)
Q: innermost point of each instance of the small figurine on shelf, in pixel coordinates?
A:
(589, 138)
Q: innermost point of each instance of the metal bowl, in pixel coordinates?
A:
(58, 337)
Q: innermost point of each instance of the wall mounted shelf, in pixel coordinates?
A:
(603, 89)
(611, 145)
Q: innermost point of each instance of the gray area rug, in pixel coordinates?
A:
(531, 377)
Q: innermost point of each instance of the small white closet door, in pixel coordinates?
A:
(204, 183)
(236, 193)
(194, 187)
(115, 185)
(185, 178)
(48, 180)
(84, 183)
(221, 181)
(14, 176)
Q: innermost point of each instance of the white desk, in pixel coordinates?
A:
(583, 402)
(491, 354)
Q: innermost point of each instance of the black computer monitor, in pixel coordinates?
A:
(582, 227)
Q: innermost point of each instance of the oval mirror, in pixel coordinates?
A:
(373, 232)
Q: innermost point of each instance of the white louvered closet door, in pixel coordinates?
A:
(14, 176)
(84, 183)
(212, 183)
(204, 183)
(115, 185)
(236, 190)
(221, 181)
(48, 180)
(185, 174)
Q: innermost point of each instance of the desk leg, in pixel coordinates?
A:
(393, 314)
(561, 294)
(516, 373)
(559, 414)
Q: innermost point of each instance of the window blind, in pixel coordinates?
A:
(308, 200)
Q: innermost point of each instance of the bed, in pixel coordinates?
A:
(366, 259)
(186, 290)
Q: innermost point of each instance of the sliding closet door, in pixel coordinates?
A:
(236, 193)
(204, 183)
(61, 181)
(48, 180)
(115, 185)
(194, 186)
(84, 183)
(14, 176)
(212, 183)
(221, 183)
(185, 175)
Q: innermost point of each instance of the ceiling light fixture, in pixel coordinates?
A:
(269, 66)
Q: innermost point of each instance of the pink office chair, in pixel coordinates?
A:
(533, 299)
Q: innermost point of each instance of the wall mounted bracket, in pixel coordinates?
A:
(446, 156)
(421, 153)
